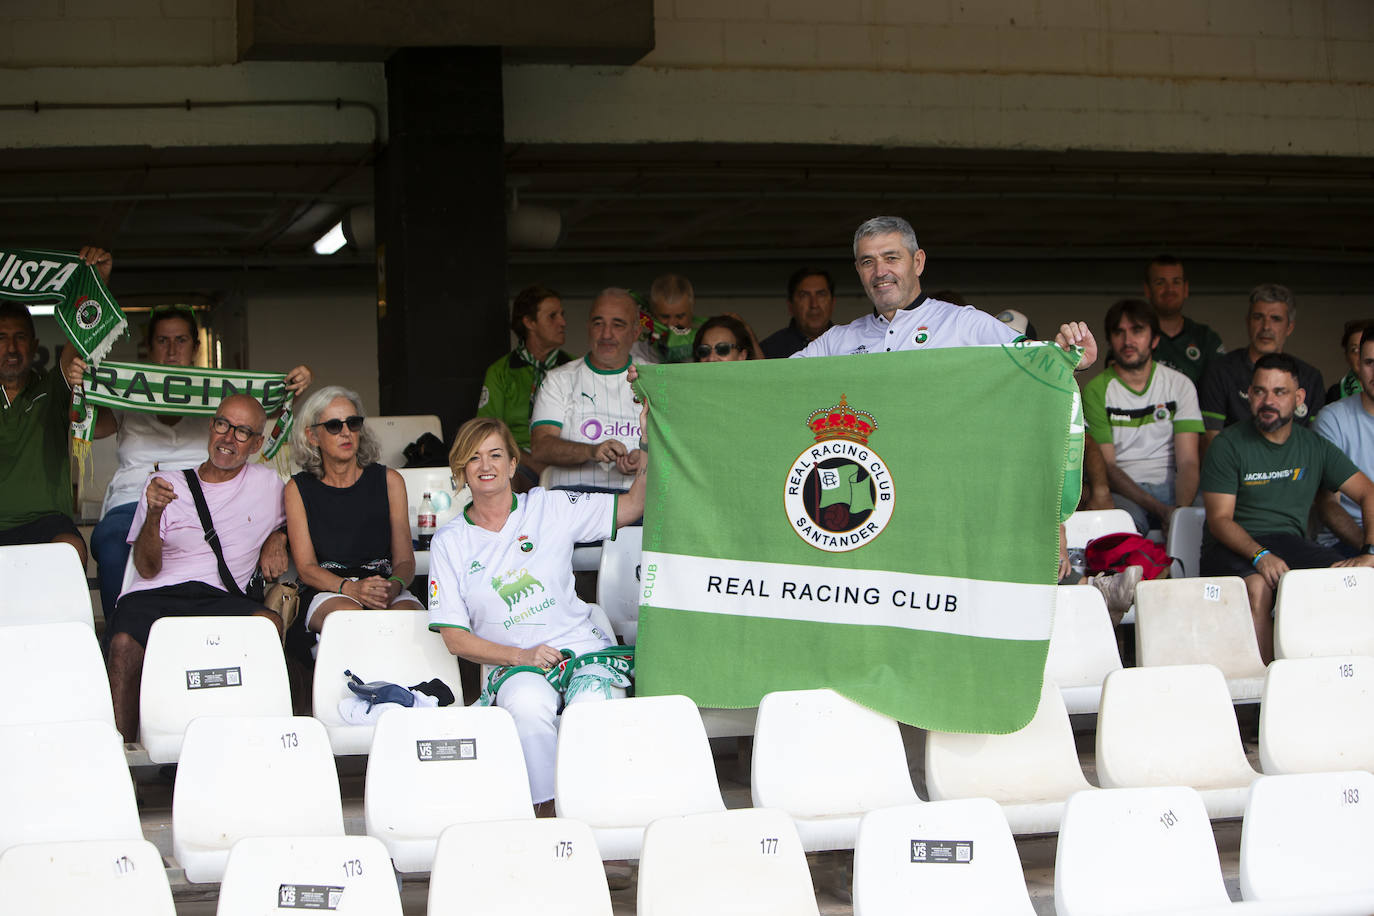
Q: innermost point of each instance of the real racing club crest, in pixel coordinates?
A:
(839, 493)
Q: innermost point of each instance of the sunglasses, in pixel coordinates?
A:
(242, 433)
(722, 349)
(335, 426)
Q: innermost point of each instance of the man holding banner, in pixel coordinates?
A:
(35, 466)
(35, 460)
(892, 533)
(890, 264)
(155, 428)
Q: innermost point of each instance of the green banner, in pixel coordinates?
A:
(89, 315)
(885, 525)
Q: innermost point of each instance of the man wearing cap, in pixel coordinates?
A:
(1185, 345)
(810, 302)
(890, 262)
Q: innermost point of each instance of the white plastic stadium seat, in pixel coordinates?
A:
(1173, 726)
(623, 763)
(1185, 540)
(617, 584)
(446, 496)
(926, 853)
(1308, 835)
(242, 776)
(1082, 647)
(826, 761)
(207, 666)
(396, 432)
(110, 877)
(343, 874)
(1082, 526)
(55, 673)
(433, 767)
(544, 865)
(747, 862)
(1324, 612)
(1030, 773)
(1147, 850)
(43, 583)
(1203, 621)
(395, 646)
(1318, 714)
(65, 781)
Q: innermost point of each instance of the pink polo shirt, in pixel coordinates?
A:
(245, 510)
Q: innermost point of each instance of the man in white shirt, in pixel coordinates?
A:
(1349, 425)
(890, 263)
(1145, 417)
(585, 422)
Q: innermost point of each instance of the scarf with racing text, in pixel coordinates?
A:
(182, 391)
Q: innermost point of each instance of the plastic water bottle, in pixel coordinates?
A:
(425, 521)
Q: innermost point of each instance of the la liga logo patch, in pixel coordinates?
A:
(839, 493)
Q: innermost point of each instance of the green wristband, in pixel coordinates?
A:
(398, 580)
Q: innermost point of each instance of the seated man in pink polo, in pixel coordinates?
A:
(178, 571)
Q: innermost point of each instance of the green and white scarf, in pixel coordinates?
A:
(598, 671)
(87, 312)
(182, 391)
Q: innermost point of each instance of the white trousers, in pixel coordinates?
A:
(533, 703)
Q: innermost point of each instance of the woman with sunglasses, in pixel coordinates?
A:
(147, 442)
(725, 339)
(346, 517)
(501, 587)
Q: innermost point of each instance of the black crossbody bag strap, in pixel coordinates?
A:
(211, 537)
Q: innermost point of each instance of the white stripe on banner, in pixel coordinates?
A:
(785, 591)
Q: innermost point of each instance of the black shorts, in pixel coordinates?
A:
(41, 530)
(136, 612)
(1297, 552)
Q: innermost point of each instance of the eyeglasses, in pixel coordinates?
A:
(722, 349)
(335, 426)
(242, 433)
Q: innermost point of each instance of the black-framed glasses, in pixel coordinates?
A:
(335, 426)
(722, 349)
(242, 433)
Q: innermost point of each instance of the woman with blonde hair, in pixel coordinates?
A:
(501, 588)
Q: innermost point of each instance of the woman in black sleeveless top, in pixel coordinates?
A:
(346, 515)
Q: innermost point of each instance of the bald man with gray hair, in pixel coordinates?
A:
(585, 423)
(179, 571)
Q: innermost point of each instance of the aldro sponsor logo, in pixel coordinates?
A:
(839, 493)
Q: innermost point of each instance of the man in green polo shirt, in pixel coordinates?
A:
(35, 432)
(513, 380)
(1259, 479)
(1185, 345)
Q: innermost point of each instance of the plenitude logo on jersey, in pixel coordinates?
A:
(839, 493)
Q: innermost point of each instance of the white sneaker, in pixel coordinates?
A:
(1118, 589)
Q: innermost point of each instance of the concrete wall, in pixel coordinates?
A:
(1231, 76)
(1278, 77)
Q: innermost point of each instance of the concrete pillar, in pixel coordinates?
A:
(441, 232)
